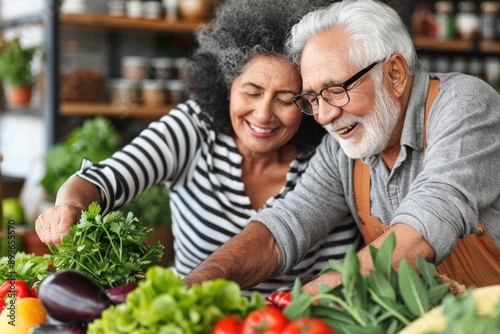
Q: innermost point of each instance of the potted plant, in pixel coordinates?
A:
(16, 71)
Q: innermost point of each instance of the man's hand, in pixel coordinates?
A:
(330, 279)
(409, 245)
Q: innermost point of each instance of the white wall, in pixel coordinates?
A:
(22, 136)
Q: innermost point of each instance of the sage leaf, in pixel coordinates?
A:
(427, 270)
(381, 286)
(437, 293)
(383, 260)
(412, 289)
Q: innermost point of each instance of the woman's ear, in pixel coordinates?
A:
(397, 74)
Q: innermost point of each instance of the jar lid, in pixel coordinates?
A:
(467, 6)
(134, 61)
(489, 6)
(179, 62)
(175, 85)
(152, 5)
(162, 62)
(153, 84)
(123, 83)
(444, 6)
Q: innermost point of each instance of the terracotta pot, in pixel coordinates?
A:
(32, 244)
(19, 96)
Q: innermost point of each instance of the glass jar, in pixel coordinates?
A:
(179, 64)
(134, 8)
(171, 8)
(175, 91)
(154, 92)
(421, 20)
(163, 68)
(117, 8)
(489, 17)
(445, 19)
(467, 20)
(151, 10)
(124, 92)
(134, 68)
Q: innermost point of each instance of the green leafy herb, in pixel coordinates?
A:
(163, 304)
(110, 248)
(383, 301)
(27, 267)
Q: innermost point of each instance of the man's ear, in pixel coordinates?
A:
(397, 74)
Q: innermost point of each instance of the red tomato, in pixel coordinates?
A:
(279, 299)
(308, 326)
(228, 325)
(268, 320)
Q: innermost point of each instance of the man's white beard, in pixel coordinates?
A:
(374, 130)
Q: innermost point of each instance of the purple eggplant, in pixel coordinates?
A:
(119, 294)
(58, 329)
(72, 296)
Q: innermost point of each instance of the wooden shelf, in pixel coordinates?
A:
(490, 47)
(433, 44)
(457, 45)
(112, 110)
(103, 21)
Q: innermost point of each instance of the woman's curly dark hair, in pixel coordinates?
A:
(240, 30)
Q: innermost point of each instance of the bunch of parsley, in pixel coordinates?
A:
(111, 249)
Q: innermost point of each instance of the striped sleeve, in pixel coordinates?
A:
(160, 153)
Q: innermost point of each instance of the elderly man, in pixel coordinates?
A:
(410, 152)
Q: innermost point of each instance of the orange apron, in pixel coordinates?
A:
(475, 260)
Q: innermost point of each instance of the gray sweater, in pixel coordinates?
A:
(441, 194)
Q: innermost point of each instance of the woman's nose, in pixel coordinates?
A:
(264, 110)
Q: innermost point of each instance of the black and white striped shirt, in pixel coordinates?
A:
(202, 170)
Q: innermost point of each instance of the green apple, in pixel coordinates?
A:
(12, 210)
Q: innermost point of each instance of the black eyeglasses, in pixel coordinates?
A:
(335, 95)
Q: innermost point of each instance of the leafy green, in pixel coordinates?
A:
(27, 267)
(383, 301)
(163, 304)
(15, 63)
(96, 140)
(462, 316)
(110, 248)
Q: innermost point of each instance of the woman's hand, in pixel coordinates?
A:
(55, 223)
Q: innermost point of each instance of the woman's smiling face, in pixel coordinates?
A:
(263, 116)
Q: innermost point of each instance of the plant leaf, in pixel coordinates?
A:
(427, 270)
(383, 260)
(412, 289)
(381, 286)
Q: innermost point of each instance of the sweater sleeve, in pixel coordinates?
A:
(311, 210)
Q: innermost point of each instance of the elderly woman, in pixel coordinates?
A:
(235, 146)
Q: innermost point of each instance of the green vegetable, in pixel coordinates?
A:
(27, 267)
(382, 302)
(163, 304)
(96, 140)
(110, 248)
